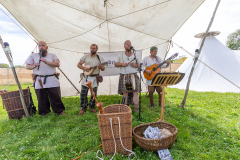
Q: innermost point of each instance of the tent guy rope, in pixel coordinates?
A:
(206, 65)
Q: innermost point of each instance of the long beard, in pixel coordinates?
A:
(44, 53)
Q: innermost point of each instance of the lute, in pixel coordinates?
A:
(92, 68)
(155, 68)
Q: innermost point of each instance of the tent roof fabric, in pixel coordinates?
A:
(222, 60)
(70, 27)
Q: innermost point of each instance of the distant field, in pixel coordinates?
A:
(24, 76)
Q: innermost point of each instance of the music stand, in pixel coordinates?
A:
(164, 80)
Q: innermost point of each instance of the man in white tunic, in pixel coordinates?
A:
(148, 62)
(127, 69)
(46, 84)
(92, 59)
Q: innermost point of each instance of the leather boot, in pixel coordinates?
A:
(82, 111)
(62, 113)
(136, 108)
(93, 110)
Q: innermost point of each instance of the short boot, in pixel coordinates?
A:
(93, 110)
(62, 114)
(151, 99)
(82, 111)
(136, 108)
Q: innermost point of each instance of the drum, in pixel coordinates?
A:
(129, 82)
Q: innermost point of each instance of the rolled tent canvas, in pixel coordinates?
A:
(222, 60)
(70, 27)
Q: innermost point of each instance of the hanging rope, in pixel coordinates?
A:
(119, 125)
(109, 44)
(168, 48)
(206, 65)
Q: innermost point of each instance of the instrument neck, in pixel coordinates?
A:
(160, 65)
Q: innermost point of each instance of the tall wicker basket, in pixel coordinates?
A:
(125, 116)
(12, 102)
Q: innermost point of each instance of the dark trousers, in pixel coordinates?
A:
(151, 90)
(84, 100)
(47, 96)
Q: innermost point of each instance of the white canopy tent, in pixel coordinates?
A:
(219, 58)
(70, 27)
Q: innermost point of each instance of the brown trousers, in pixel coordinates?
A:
(151, 90)
(47, 96)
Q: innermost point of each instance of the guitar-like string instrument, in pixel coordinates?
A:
(92, 69)
(155, 68)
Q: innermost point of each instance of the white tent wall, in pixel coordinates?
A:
(222, 60)
(70, 27)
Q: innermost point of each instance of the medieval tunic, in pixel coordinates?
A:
(122, 58)
(92, 61)
(50, 94)
(148, 62)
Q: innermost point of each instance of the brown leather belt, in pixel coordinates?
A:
(93, 75)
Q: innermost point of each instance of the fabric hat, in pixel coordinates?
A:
(153, 48)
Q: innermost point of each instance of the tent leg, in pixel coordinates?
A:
(7, 52)
(197, 55)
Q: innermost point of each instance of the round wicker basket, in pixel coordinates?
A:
(154, 144)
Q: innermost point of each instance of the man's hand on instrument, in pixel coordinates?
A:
(124, 64)
(148, 71)
(168, 62)
(132, 64)
(43, 60)
(86, 69)
(99, 66)
(36, 64)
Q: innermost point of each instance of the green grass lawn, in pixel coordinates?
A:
(208, 128)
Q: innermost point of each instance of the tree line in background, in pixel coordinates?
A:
(233, 40)
(4, 65)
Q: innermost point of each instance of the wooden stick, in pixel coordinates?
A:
(196, 58)
(100, 104)
(89, 84)
(16, 79)
(131, 61)
(81, 76)
(69, 80)
(162, 103)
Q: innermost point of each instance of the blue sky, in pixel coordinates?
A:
(226, 21)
